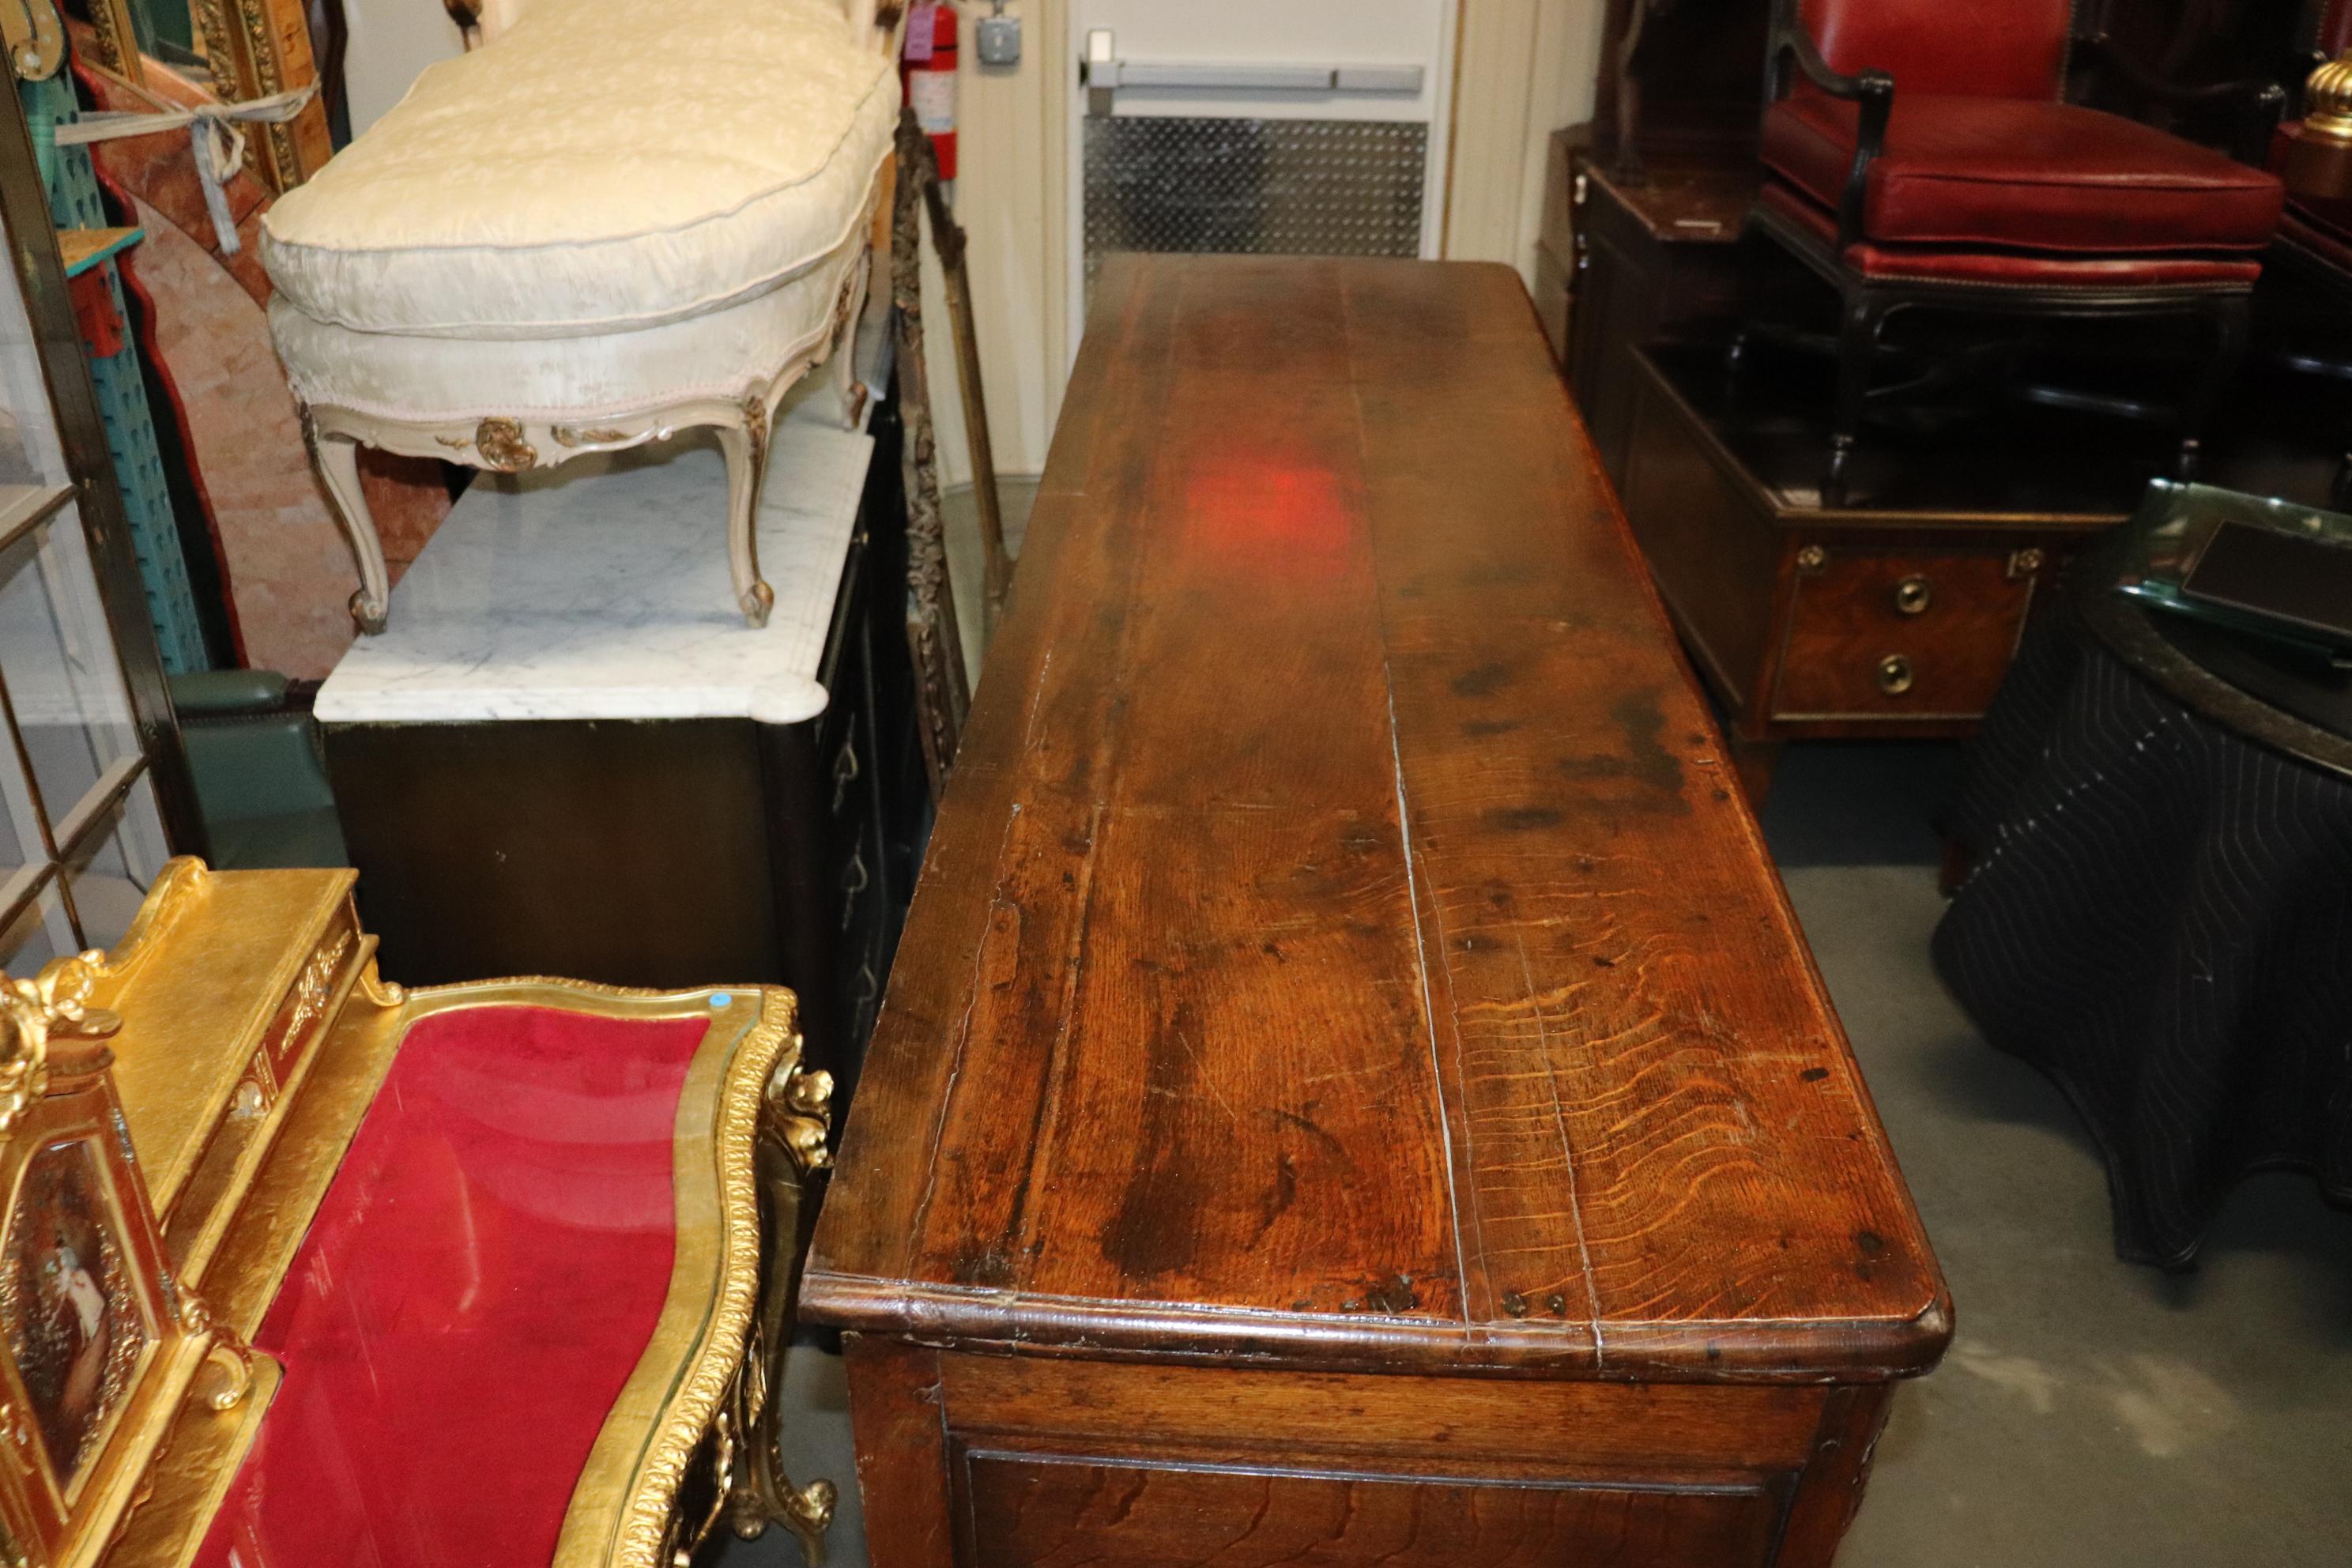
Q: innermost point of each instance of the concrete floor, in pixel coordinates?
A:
(2091, 1412)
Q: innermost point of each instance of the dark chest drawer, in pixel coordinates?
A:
(1900, 633)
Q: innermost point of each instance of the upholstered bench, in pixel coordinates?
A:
(300, 1267)
(615, 222)
(525, 1303)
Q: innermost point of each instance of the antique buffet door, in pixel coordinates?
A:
(1313, 127)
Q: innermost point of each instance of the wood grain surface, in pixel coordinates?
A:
(1344, 943)
(1027, 1513)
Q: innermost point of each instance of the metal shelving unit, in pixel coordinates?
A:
(94, 791)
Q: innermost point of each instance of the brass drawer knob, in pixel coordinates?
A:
(1914, 595)
(1895, 675)
(1812, 558)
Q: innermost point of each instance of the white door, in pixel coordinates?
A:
(1310, 127)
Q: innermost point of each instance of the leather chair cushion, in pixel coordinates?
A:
(1986, 269)
(2004, 48)
(2029, 175)
(606, 165)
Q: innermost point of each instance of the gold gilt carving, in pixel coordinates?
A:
(799, 1102)
(944, 688)
(53, 1005)
(2327, 101)
(118, 48)
(594, 435)
(316, 983)
(228, 1371)
(797, 1109)
(268, 79)
(647, 1528)
(377, 989)
(220, 56)
(499, 443)
(755, 420)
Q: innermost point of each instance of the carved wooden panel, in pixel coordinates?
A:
(1029, 1511)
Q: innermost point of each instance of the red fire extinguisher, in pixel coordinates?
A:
(928, 72)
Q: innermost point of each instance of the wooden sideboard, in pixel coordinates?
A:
(1353, 1088)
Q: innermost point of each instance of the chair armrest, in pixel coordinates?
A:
(1872, 90)
(2259, 103)
(212, 691)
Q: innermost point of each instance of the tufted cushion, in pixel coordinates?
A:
(2034, 175)
(607, 164)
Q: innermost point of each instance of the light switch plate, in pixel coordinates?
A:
(1000, 40)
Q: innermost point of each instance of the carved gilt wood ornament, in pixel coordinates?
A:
(943, 689)
(100, 1344)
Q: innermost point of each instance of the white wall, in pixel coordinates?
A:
(1522, 70)
(391, 42)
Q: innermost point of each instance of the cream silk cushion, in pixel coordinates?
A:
(605, 166)
(721, 354)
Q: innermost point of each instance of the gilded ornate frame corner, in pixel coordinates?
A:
(750, 1124)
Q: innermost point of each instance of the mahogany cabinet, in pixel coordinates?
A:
(1892, 617)
(1657, 260)
(1352, 1089)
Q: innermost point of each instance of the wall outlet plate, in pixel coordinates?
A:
(1000, 40)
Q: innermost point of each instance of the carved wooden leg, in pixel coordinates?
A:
(746, 446)
(1857, 351)
(844, 348)
(796, 1120)
(2233, 321)
(337, 459)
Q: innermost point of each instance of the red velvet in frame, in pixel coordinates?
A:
(482, 1278)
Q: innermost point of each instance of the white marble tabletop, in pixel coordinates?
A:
(599, 590)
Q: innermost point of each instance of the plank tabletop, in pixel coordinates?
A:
(1344, 942)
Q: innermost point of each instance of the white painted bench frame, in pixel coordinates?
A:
(510, 444)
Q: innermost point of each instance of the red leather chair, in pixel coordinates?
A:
(2315, 244)
(1924, 157)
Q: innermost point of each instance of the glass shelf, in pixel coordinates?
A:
(2174, 523)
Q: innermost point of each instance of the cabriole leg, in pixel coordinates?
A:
(746, 446)
(844, 349)
(337, 459)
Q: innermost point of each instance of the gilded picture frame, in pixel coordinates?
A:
(99, 1346)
